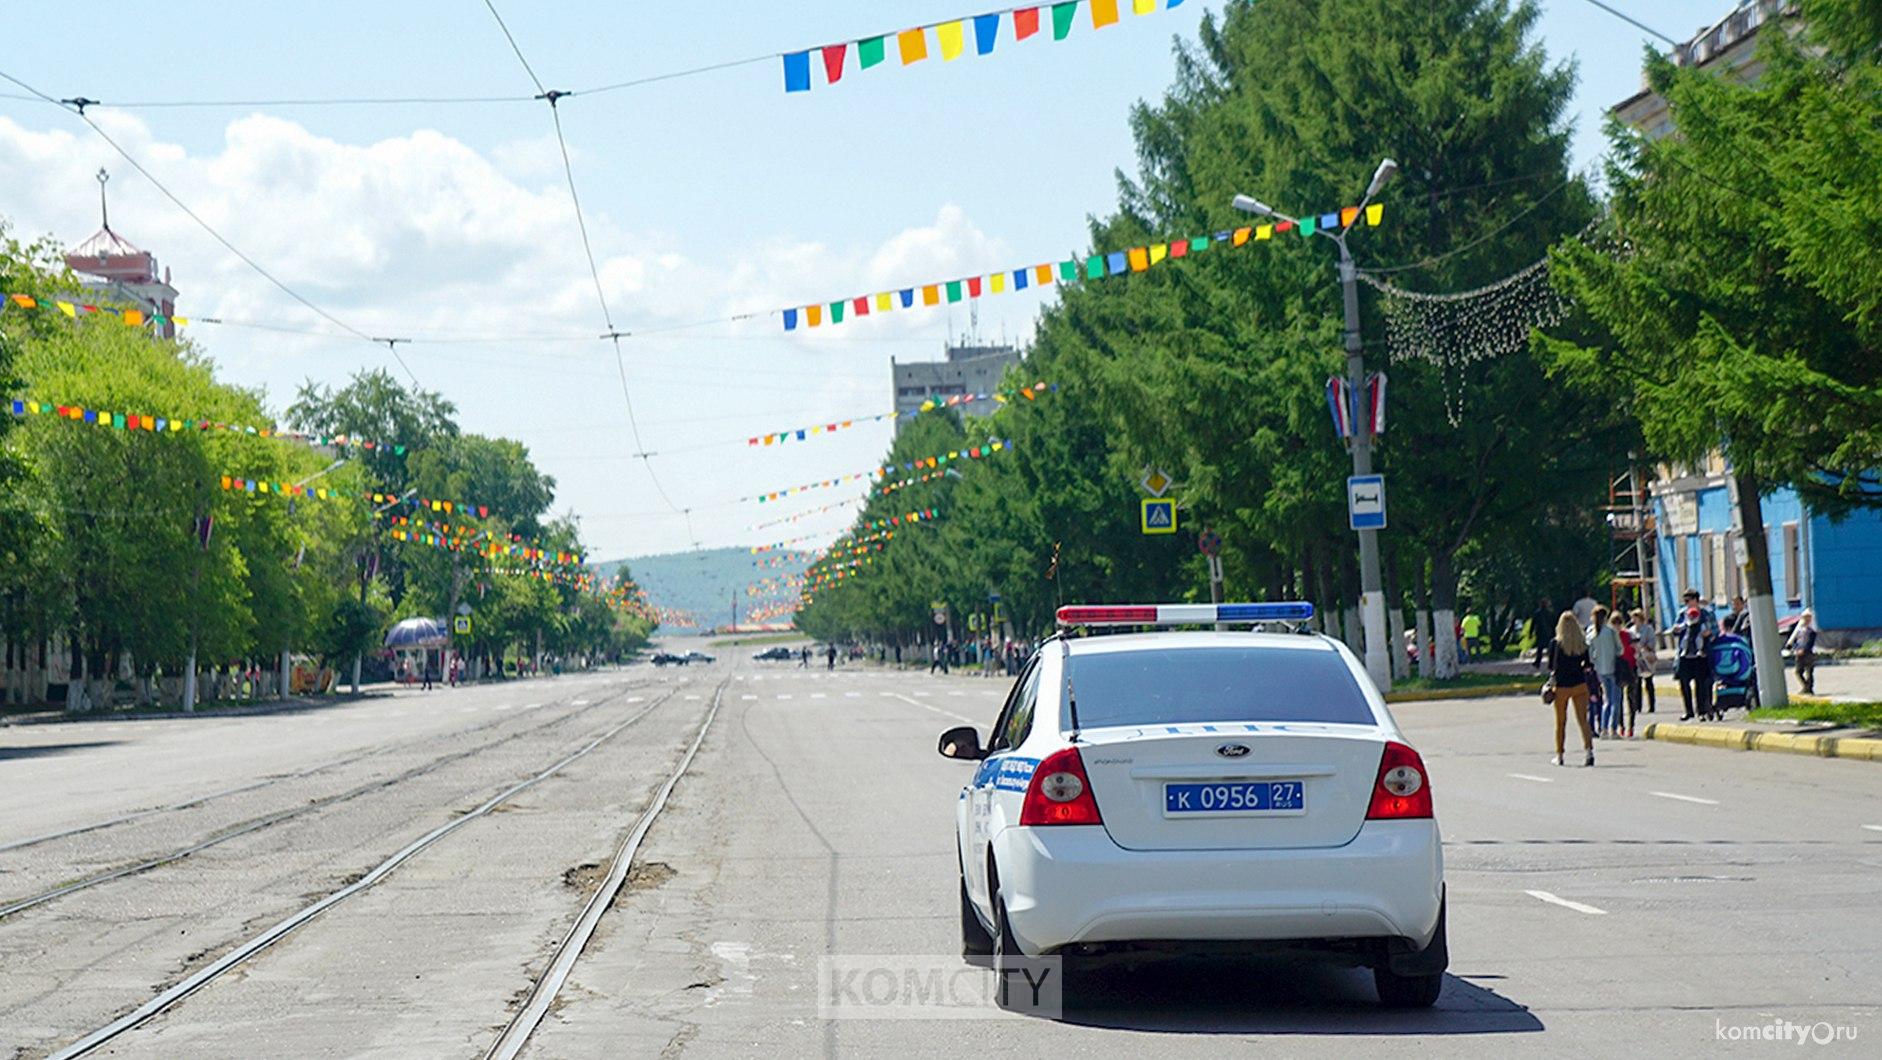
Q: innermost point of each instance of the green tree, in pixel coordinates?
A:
(1741, 310)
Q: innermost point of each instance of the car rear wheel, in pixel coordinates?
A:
(976, 940)
(1407, 991)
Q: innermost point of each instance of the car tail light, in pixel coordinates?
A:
(1402, 790)
(1060, 792)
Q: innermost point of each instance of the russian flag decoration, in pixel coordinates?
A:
(1375, 402)
(951, 37)
(1339, 403)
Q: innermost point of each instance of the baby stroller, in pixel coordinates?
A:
(1735, 673)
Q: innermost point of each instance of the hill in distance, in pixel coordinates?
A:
(703, 584)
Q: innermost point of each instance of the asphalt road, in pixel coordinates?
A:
(1666, 896)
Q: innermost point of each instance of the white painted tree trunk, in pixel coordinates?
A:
(1768, 651)
(356, 663)
(1355, 631)
(1421, 620)
(1330, 622)
(1444, 635)
(1395, 635)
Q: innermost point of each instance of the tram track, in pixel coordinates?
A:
(195, 801)
(258, 942)
(543, 992)
(254, 825)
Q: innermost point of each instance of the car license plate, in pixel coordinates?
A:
(1229, 798)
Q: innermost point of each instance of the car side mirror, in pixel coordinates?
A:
(961, 742)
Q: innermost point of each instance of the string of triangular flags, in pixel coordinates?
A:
(456, 544)
(801, 516)
(130, 318)
(238, 484)
(1030, 393)
(132, 421)
(778, 546)
(500, 544)
(1071, 270)
(951, 37)
(988, 448)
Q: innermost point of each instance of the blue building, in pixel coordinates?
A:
(1832, 567)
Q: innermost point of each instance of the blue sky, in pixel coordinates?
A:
(705, 196)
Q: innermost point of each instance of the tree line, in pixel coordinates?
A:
(122, 557)
(1717, 295)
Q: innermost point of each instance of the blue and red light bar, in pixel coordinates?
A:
(1182, 614)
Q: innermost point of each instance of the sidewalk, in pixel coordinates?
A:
(1804, 738)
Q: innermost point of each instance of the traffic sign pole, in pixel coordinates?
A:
(1371, 594)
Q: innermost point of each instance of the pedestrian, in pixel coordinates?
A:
(1540, 622)
(1692, 635)
(1568, 683)
(1738, 620)
(1470, 629)
(1629, 669)
(831, 653)
(803, 658)
(1803, 645)
(1604, 653)
(1584, 609)
(1646, 655)
(428, 673)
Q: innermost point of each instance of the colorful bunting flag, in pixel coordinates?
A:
(935, 462)
(1094, 267)
(173, 424)
(951, 36)
(131, 318)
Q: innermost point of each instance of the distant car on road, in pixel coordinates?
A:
(664, 658)
(697, 657)
(779, 654)
(1221, 792)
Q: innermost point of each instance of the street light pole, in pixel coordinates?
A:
(1371, 591)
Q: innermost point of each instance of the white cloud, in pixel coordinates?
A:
(422, 234)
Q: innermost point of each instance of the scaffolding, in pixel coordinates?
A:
(1635, 545)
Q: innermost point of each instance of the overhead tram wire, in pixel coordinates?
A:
(614, 334)
(78, 108)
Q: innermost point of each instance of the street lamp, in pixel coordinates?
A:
(1371, 596)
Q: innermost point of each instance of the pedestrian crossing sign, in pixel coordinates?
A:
(1159, 516)
(461, 625)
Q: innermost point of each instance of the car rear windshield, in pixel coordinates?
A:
(1174, 686)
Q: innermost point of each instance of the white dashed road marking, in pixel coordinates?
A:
(1532, 776)
(1873, 827)
(748, 697)
(1565, 903)
(1685, 798)
(925, 706)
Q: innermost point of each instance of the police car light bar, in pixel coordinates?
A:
(1182, 614)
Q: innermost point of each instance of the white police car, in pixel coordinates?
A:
(1208, 792)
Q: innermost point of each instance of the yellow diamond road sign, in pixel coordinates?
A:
(1155, 482)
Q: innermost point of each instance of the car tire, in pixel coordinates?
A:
(1005, 949)
(1407, 991)
(976, 940)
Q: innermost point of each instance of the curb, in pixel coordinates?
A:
(297, 705)
(1731, 737)
(1419, 695)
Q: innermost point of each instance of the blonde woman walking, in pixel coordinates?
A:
(1568, 676)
